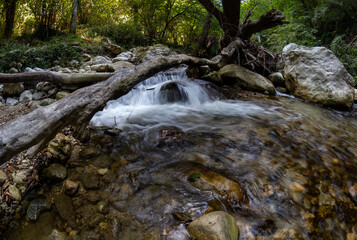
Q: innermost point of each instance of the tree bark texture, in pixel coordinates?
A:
(56, 78)
(229, 21)
(73, 27)
(77, 109)
(10, 8)
(203, 36)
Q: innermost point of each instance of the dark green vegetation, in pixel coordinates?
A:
(330, 23)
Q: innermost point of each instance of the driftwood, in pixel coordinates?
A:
(41, 125)
(56, 78)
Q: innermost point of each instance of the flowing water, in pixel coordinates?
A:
(283, 168)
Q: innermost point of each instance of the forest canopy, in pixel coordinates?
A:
(130, 23)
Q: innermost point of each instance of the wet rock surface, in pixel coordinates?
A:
(214, 226)
(316, 75)
(55, 172)
(231, 74)
(36, 207)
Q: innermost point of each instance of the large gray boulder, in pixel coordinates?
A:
(122, 65)
(316, 75)
(125, 56)
(245, 78)
(217, 225)
(143, 54)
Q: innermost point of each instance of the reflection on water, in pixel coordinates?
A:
(283, 168)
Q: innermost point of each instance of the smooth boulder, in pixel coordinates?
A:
(316, 75)
(216, 225)
(246, 79)
(143, 54)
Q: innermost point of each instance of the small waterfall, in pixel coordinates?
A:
(171, 99)
(166, 88)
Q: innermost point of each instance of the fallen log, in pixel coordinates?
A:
(77, 109)
(56, 78)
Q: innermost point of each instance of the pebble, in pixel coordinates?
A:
(3, 177)
(38, 95)
(62, 94)
(36, 207)
(15, 192)
(55, 172)
(88, 152)
(102, 207)
(90, 180)
(102, 171)
(353, 191)
(296, 187)
(351, 236)
(11, 101)
(70, 187)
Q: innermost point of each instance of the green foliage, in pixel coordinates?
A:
(194, 177)
(275, 39)
(31, 52)
(43, 57)
(126, 35)
(347, 53)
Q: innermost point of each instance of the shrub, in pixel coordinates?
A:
(125, 35)
(42, 57)
(347, 53)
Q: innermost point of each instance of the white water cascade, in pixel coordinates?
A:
(171, 98)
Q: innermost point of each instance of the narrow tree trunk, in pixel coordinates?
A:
(73, 27)
(10, 7)
(56, 78)
(202, 39)
(77, 109)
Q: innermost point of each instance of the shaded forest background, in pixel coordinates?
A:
(36, 33)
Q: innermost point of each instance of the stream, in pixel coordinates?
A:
(173, 149)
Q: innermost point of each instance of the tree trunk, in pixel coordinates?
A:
(56, 78)
(203, 37)
(77, 109)
(10, 8)
(73, 27)
(229, 21)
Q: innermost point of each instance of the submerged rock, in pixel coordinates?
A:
(217, 225)
(36, 207)
(353, 192)
(55, 172)
(90, 180)
(229, 190)
(65, 209)
(172, 92)
(57, 235)
(70, 187)
(88, 152)
(234, 74)
(316, 75)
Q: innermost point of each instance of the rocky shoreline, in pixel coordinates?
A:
(21, 178)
